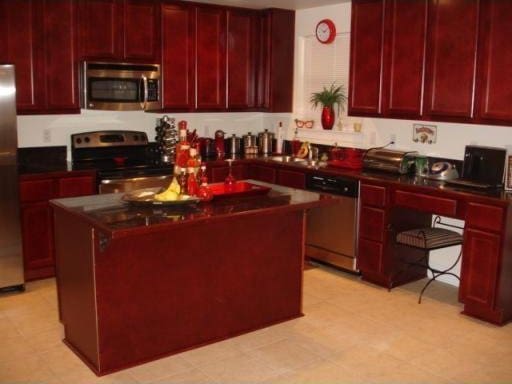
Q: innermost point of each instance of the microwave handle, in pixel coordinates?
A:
(145, 90)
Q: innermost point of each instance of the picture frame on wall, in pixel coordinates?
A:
(508, 171)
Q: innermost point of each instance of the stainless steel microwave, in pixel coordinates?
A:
(120, 86)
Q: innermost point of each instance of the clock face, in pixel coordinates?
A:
(325, 31)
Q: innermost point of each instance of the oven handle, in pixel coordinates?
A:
(145, 91)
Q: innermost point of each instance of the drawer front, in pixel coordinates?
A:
(373, 195)
(36, 190)
(76, 186)
(426, 203)
(483, 216)
(369, 256)
(372, 223)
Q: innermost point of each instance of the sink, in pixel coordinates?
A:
(287, 159)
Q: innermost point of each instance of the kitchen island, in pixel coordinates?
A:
(136, 283)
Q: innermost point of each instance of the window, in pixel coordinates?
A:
(322, 65)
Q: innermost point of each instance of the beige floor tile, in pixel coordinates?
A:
(188, 377)
(159, 369)
(212, 352)
(285, 355)
(323, 372)
(30, 369)
(240, 369)
(352, 332)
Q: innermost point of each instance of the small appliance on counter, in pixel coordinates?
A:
(483, 168)
(389, 160)
(265, 142)
(166, 138)
(442, 170)
(350, 158)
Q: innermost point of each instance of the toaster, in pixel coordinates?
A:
(389, 160)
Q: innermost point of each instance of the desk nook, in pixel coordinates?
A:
(394, 206)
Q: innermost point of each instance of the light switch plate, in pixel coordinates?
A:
(425, 134)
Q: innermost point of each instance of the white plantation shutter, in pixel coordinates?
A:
(323, 65)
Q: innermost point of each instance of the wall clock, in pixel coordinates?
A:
(325, 31)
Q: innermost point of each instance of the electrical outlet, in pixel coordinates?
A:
(392, 138)
(47, 136)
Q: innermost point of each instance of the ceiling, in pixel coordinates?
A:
(286, 4)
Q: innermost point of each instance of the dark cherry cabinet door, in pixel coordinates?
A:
(276, 31)
(262, 173)
(241, 56)
(480, 267)
(452, 54)
(60, 53)
(76, 186)
(37, 229)
(366, 50)
(178, 56)
(406, 27)
(100, 29)
(141, 38)
(25, 50)
(292, 179)
(210, 58)
(495, 74)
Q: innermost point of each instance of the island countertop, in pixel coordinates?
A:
(117, 218)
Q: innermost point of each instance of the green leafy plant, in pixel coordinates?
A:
(330, 97)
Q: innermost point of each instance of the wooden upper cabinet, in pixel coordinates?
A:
(366, 51)
(120, 30)
(451, 64)
(495, 75)
(241, 56)
(276, 32)
(178, 56)
(60, 53)
(25, 50)
(141, 38)
(39, 39)
(210, 58)
(100, 29)
(404, 59)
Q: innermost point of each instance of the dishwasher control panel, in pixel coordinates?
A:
(333, 184)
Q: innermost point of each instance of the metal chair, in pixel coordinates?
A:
(429, 239)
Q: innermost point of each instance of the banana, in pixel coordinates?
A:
(303, 151)
(171, 193)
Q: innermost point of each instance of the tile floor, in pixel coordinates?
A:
(353, 332)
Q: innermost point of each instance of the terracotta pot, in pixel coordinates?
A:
(327, 117)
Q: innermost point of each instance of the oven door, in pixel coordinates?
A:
(132, 184)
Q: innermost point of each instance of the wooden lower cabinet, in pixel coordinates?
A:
(37, 233)
(37, 219)
(292, 179)
(263, 173)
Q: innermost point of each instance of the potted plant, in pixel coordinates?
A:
(329, 98)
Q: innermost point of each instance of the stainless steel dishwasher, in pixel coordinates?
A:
(331, 234)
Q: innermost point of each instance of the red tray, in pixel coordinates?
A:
(241, 188)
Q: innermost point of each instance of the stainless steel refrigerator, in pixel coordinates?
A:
(11, 261)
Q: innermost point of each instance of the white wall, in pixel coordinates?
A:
(31, 129)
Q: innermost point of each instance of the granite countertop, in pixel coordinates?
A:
(117, 217)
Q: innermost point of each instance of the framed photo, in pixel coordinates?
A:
(508, 171)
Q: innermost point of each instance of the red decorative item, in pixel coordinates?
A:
(240, 189)
(327, 117)
(351, 158)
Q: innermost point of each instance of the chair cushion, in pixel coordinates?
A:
(429, 238)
